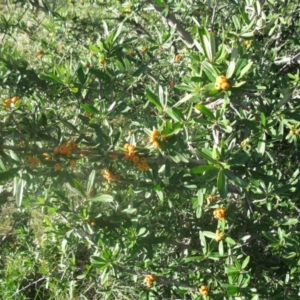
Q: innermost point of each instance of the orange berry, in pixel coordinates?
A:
(155, 133)
(220, 79)
(34, 162)
(126, 146)
(163, 137)
(151, 277)
(212, 198)
(225, 86)
(172, 83)
(144, 49)
(72, 145)
(203, 290)
(102, 60)
(131, 148)
(57, 167)
(178, 57)
(152, 139)
(218, 86)
(56, 150)
(15, 99)
(143, 160)
(219, 213)
(73, 163)
(156, 145)
(135, 159)
(93, 223)
(62, 148)
(28, 158)
(127, 155)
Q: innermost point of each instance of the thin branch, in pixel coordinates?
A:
(173, 22)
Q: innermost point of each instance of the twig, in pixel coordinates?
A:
(27, 286)
(173, 22)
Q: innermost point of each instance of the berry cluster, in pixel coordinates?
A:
(65, 148)
(154, 138)
(219, 235)
(7, 103)
(212, 198)
(247, 43)
(203, 290)
(222, 83)
(294, 131)
(220, 213)
(33, 161)
(138, 161)
(109, 176)
(149, 280)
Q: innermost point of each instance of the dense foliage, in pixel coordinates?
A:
(149, 149)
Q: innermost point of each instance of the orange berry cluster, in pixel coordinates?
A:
(109, 176)
(219, 235)
(92, 222)
(139, 162)
(154, 138)
(33, 161)
(247, 43)
(178, 57)
(65, 148)
(9, 101)
(57, 167)
(39, 54)
(46, 156)
(203, 290)
(294, 131)
(149, 280)
(222, 83)
(212, 198)
(220, 213)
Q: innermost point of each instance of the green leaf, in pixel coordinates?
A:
(90, 182)
(261, 146)
(77, 191)
(154, 99)
(245, 70)
(175, 114)
(209, 234)
(210, 90)
(206, 111)
(118, 32)
(142, 69)
(206, 154)
(230, 69)
(239, 160)
(193, 258)
(236, 180)
(230, 241)
(19, 185)
(188, 97)
(201, 169)
(89, 108)
(222, 184)
(213, 72)
(70, 126)
(48, 76)
(291, 222)
(245, 262)
(102, 198)
(8, 175)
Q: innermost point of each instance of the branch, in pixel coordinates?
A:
(173, 22)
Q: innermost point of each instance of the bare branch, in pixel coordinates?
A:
(173, 22)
